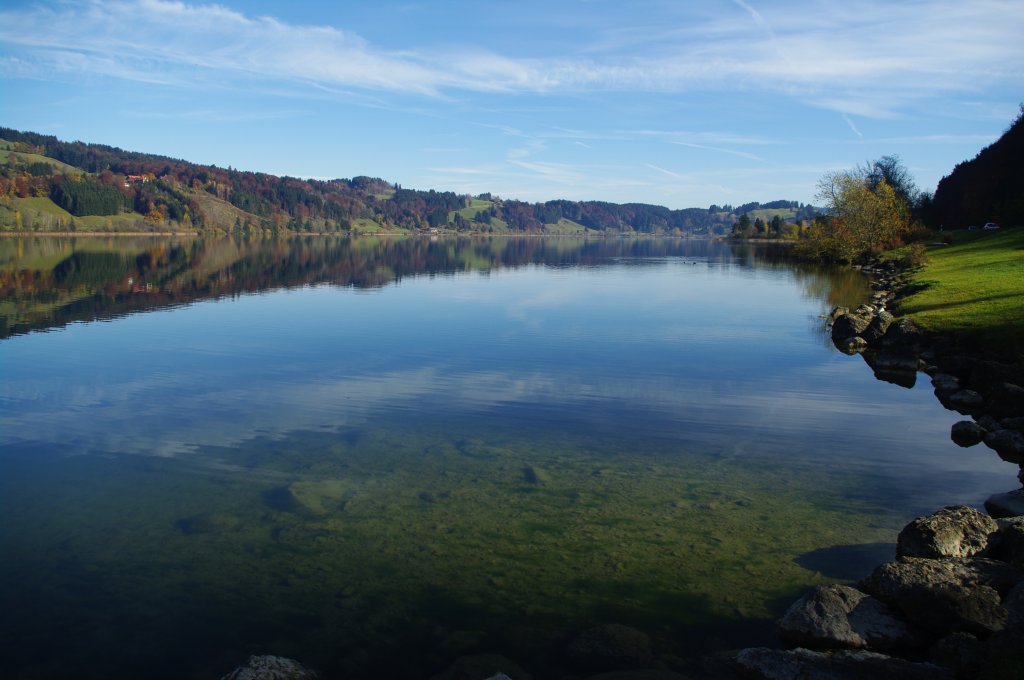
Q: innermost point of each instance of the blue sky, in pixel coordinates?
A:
(677, 103)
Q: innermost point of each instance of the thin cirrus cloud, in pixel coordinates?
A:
(857, 58)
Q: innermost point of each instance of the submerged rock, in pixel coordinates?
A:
(778, 664)
(954, 531)
(840, 616)
(271, 668)
(609, 647)
(481, 666)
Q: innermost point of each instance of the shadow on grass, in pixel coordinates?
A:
(960, 303)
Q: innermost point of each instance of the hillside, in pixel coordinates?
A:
(51, 185)
(988, 188)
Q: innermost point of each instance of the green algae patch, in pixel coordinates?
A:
(402, 548)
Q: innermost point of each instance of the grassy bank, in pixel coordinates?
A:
(975, 285)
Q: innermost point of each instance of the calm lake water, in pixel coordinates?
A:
(377, 456)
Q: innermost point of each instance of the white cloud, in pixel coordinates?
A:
(864, 58)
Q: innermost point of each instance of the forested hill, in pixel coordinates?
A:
(988, 188)
(47, 184)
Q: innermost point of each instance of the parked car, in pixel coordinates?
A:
(990, 226)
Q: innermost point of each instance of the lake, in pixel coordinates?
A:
(377, 456)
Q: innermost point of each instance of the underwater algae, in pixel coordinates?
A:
(399, 549)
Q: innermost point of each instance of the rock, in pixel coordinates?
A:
(778, 664)
(840, 616)
(271, 668)
(903, 332)
(1007, 400)
(1009, 444)
(946, 596)
(878, 326)
(535, 475)
(988, 422)
(1009, 504)
(1014, 604)
(961, 653)
(1013, 423)
(1008, 545)
(838, 312)
(967, 433)
(1004, 656)
(643, 674)
(954, 531)
(849, 325)
(966, 401)
(480, 666)
(945, 384)
(854, 344)
(609, 647)
(987, 375)
(890, 360)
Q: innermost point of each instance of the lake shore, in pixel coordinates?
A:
(951, 605)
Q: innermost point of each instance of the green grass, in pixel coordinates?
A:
(975, 285)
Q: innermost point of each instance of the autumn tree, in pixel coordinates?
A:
(866, 214)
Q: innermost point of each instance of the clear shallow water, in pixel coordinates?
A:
(379, 456)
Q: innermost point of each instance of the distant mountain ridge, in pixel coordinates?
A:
(49, 184)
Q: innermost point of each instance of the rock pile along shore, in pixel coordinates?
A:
(951, 605)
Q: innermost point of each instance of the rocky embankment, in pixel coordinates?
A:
(951, 605)
(987, 390)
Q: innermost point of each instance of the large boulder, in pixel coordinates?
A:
(840, 616)
(848, 325)
(878, 326)
(954, 531)
(779, 664)
(271, 668)
(946, 596)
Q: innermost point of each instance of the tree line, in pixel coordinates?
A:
(173, 187)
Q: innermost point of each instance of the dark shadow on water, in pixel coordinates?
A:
(847, 562)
